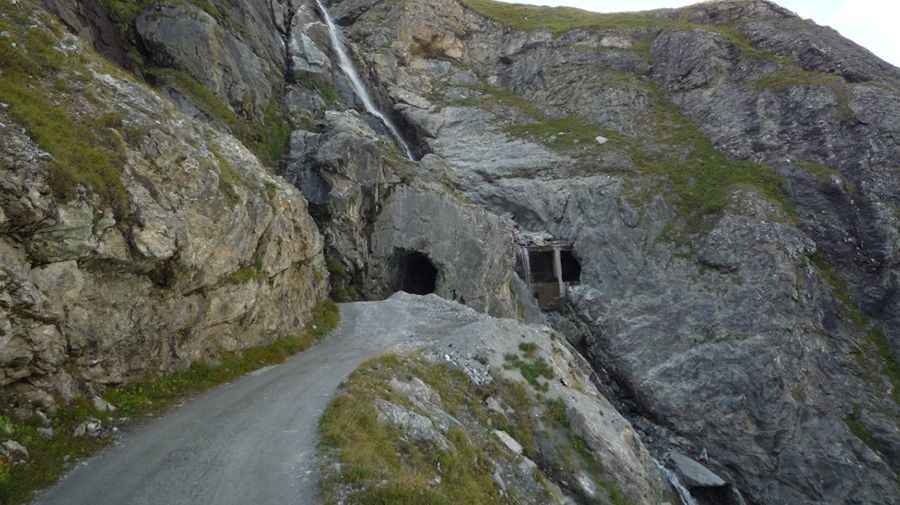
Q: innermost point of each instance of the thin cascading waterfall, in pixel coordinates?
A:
(683, 493)
(359, 87)
(525, 260)
(557, 271)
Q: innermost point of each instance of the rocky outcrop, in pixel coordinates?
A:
(471, 248)
(187, 38)
(374, 208)
(186, 247)
(464, 379)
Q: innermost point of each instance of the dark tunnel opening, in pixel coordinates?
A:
(571, 268)
(416, 274)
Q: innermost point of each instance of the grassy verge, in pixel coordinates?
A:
(839, 289)
(890, 368)
(818, 170)
(561, 134)
(875, 357)
(378, 464)
(51, 457)
(532, 368)
(698, 177)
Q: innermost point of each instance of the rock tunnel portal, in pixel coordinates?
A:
(415, 273)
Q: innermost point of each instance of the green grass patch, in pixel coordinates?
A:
(379, 466)
(50, 458)
(575, 455)
(268, 140)
(839, 289)
(531, 369)
(889, 366)
(207, 101)
(559, 20)
(229, 178)
(491, 97)
(700, 176)
(793, 77)
(876, 340)
(83, 152)
(561, 134)
(124, 12)
(272, 142)
(742, 42)
(854, 423)
(245, 275)
(820, 171)
(326, 90)
(528, 348)
(556, 412)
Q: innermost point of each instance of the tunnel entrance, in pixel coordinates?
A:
(549, 269)
(416, 274)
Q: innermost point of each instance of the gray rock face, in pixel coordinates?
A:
(415, 425)
(189, 39)
(360, 182)
(694, 474)
(470, 247)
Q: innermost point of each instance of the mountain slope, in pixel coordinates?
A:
(726, 173)
(735, 233)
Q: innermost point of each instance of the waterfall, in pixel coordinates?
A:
(358, 86)
(683, 493)
(525, 260)
(557, 271)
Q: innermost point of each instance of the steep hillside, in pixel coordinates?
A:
(726, 176)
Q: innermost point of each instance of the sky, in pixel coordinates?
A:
(870, 23)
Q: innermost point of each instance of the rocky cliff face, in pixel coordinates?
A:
(735, 222)
(134, 238)
(726, 172)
